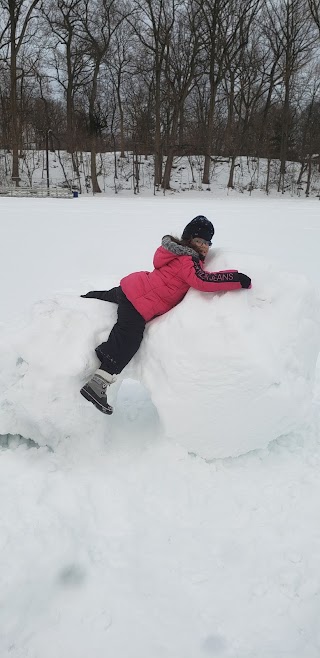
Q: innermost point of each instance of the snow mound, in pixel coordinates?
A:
(227, 373)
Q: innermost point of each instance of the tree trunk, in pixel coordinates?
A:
(75, 163)
(309, 175)
(207, 157)
(13, 96)
(231, 174)
(157, 140)
(304, 141)
(284, 133)
(121, 121)
(301, 172)
(268, 176)
(93, 129)
(94, 178)
(267, 105)
(70, 144)
(181, 126)
(228, 130)
(167, 169)
(171, 149)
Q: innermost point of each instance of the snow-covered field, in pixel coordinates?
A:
(121, 541)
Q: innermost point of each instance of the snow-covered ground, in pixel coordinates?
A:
(134, 546)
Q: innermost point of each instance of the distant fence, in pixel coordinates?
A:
(40, 192)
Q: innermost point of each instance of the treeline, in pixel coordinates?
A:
(162, 77)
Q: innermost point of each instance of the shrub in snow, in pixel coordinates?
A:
(227, 372)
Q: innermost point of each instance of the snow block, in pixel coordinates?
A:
(227, 372)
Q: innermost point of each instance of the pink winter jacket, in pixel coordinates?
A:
(176, 269)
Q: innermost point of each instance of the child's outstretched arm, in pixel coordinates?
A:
(205, 281)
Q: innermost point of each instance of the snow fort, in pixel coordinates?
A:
(227, 372)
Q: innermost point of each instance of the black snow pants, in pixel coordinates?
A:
(125, 336)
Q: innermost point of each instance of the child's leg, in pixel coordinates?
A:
(125, 337)
(105, 295)
(116, 352)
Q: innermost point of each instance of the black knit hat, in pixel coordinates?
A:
(199, 227)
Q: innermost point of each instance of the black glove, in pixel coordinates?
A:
(245, 280)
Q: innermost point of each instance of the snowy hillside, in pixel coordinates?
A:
(117, 537)
(118, 175)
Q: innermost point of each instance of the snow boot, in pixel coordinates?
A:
(95, 390)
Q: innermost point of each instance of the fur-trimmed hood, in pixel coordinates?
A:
(178, 249)
(171, 250)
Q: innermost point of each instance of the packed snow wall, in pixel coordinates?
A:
(227, 372)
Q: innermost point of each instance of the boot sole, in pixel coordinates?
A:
(105, 410)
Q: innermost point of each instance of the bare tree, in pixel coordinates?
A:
(120, 66)
(226, 25)
(179, 74)
(314, 7)
(139, 92)
(216, 15)
(290, 33)
(68, 59)
(18, 18)
(99, 20)
(307, 102)
(153, 23)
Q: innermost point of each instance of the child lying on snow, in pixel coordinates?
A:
(142, 296)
